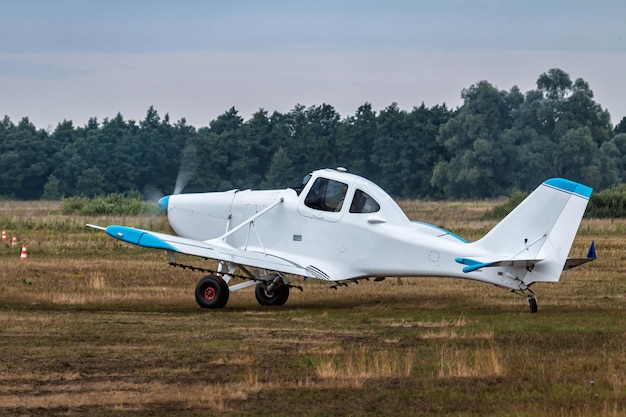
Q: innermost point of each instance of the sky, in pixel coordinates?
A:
(77, 59)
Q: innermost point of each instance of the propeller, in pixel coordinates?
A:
(188, 165)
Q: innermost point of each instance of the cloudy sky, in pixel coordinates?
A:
(76, 59)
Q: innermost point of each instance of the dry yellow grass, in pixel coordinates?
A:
(476, 363)
(361, 363)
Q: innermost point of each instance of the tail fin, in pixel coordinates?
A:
(542, 229)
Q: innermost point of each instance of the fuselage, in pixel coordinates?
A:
(341, 224)
(337, 226)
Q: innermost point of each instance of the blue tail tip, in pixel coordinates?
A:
(570, 187)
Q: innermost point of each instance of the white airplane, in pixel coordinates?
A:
(339, 227)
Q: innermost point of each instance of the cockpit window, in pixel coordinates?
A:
(363, 203)
(326, 195)
(301, 184)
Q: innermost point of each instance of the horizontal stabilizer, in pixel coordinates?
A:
(473, 265)
(574, 262)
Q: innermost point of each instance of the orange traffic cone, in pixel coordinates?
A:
(4, 236)
(14, 241)
(24, 256)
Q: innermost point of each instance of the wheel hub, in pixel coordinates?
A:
(209, 293)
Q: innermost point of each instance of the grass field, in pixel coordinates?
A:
(89, 325)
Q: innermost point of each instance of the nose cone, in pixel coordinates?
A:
(163, 202)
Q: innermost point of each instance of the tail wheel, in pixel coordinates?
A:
(212, 292)
(276, 297)
(532, 304)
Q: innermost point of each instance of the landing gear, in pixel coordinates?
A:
(212, 292)
(530, 297)
(275, 297)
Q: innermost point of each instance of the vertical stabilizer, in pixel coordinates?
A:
(542, 227)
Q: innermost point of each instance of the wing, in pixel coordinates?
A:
(213, 249)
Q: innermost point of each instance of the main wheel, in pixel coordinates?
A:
(277, 297)
(212, 292)
(532, 304)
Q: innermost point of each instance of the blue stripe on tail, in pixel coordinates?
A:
(570, 187)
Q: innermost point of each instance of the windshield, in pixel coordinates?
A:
(326, 195)
(298, 187)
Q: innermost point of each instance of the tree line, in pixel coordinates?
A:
(494, 143)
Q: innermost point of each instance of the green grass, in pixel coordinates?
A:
(91, 326)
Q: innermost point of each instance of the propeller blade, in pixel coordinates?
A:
(188, 164)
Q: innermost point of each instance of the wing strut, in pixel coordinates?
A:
(250, 220)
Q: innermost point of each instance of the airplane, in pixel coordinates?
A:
(339, 227)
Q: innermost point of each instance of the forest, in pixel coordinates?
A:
(496, 142)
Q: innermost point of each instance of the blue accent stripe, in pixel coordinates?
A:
(138, 237)
(466, 261)
(472, 265)
(570, 187)
(477, 266)
(447, 232)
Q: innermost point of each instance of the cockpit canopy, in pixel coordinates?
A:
(330, 191)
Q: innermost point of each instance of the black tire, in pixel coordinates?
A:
(532, 304)
(212, 292)
(277, 297)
